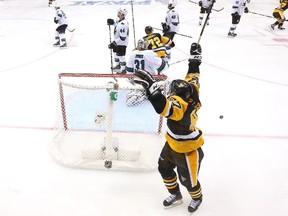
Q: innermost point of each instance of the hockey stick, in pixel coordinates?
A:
(217, 10)
(70, 30)
(207, 17)
(263, 15)
(133, 22)
(176, 33)
(110, 49)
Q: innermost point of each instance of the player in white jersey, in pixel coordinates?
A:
(204, 8)
(145, 59)
(121, 38)
(61, 20)
(238, 8)
(171, 25)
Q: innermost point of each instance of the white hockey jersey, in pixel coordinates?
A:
(61, 17)
(121, 32)
(172, 20)
(238, 6)
(145, 60)
(206, 3)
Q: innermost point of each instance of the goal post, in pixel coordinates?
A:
(105, 121)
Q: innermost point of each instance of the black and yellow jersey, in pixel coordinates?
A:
(158, 43)
(283, 5)
(182, 134)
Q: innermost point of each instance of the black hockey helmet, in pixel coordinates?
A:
(180, 88)
(148, 29)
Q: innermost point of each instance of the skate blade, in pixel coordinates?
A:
(178, 202)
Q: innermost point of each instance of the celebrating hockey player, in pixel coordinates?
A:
(238, 8)
(182, 152)
(204, 9)
(61, 20)
(278, 14)
(158, 43)
(121, 38)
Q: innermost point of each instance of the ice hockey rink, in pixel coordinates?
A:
(245, 168)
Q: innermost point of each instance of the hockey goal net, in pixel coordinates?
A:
(104, 121)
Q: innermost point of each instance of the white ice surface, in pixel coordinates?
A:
(245, 79)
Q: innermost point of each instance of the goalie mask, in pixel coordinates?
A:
(142, 44)
(180, 88)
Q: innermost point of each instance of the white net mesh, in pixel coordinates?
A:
(105, 121)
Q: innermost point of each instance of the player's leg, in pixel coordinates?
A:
(169, 176)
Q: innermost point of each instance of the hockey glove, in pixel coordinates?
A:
(55, 20)
(165, 27)
(200, 3)
(145, 79)
(246, 10)
(112, 45)
(195, 53)
(110, 21)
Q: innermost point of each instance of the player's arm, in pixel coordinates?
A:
(195, 60)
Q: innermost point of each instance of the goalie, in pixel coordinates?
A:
(182, 149)
(143, 58)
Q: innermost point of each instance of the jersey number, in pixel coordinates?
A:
(139, 64)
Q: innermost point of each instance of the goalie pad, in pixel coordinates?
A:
(135, 97)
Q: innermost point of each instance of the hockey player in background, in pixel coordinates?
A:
(61, 20)
(204, 9)
(238, 8)
(121, 38)
(145, 59)
(278, 14)
(171, 25)
(182, 152)
(50, 2)
(158, 42)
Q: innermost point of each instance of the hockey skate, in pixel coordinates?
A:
(281, 28)
(173, 200)
(63, 45)
(121, 72)
(232, 34)
(57, 43)
(116, 68)
(135, 97)
(271, 27)
(194, 204)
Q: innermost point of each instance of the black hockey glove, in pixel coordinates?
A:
(246, 10)
(200, 3)
(165, 27)
(112, 45)
(195, 53)
(145, 79)
(110, 21)
(55, 20)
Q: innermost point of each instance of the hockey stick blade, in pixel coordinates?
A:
(71, 30)
(218, 10)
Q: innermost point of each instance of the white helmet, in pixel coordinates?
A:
(142, 44)
(55, 4)
(122, 12)
(172, 4)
